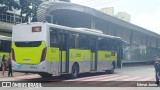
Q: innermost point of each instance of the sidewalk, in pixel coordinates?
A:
(15, 74)
(18, 76)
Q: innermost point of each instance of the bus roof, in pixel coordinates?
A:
(86, 31)
(80, 30)
(4, 37)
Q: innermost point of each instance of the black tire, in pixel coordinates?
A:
(75, 71)
(65, 76)
(45, 75)
(111, 71)
(1, 67)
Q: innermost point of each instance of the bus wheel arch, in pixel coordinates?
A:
(111, 71)
(74, 70)
(45, 75)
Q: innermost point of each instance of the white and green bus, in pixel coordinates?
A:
(50, 49)
(5, 48)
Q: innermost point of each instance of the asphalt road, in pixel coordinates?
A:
(123, 79)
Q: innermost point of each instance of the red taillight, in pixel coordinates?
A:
(13, 55)
(43, 55)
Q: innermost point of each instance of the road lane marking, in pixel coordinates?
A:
(93, 79)
(108, 79)
(132, 78)
(145, 79)
(84, 78)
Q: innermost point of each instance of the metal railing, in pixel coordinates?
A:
(10, 18)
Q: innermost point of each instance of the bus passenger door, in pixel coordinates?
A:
(64, 57)
(93, 45)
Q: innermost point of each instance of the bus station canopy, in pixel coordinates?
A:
(74, 15)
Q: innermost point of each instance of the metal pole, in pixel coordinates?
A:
(93, 23)
(52, 19)
(51, 16)
(14, 16)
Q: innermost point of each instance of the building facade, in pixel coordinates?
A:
(123, 16)
(141, 44)
(108, 10)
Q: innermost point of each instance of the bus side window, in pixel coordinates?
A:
(102, 44)
(63, 40)
(111, 45)
(54, 41)
(74, 38)
(84, 41)
(7, 46)
(1, 46)
(93, 44)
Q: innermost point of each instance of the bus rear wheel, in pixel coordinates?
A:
(45, 75)
(75, 71)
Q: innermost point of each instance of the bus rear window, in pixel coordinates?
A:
(28, 44)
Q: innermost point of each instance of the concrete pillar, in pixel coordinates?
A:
(156, 43)
(93, 24)
(131, 37)
(146, 44)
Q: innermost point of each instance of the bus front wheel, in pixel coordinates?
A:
(75, 71)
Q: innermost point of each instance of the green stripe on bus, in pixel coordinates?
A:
(79, 55)
(52, 54)
(107, 55)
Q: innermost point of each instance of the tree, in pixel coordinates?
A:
(8, 5)
(29, 8)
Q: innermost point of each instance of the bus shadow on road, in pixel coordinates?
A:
(64, 77)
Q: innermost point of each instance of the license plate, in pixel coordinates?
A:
(27, 60)
(19, 67)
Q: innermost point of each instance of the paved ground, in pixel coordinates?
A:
(134, 73)
(126, 76)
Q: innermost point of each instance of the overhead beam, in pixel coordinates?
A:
(6, 34)
(6, 26)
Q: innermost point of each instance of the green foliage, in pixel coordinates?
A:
(27, 7)
(6, 5)
(30, 8)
